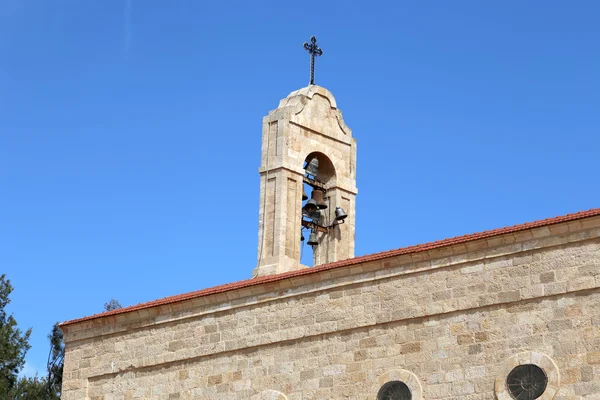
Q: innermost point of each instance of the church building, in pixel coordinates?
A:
(511, 313)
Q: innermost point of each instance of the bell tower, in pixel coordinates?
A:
(306, 145)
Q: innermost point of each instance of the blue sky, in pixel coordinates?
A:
(130, 132)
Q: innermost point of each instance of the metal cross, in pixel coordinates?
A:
(314, 51)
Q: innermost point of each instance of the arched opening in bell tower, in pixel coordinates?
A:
(319, 174)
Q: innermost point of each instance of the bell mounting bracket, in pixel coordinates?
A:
(315, 184)
(312, 225)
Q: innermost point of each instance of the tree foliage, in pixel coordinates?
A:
(13, 343)
(112, 305)
(56, 358)
(49, 387)
(30, 389)
(13, 347)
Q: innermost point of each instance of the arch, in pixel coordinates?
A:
(528, 357)
(270, 395)
(401, 375)
(326, 174)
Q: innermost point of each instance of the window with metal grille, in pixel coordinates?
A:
(394, 390)
(526, 382)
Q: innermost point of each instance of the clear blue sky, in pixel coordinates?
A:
(130, 132)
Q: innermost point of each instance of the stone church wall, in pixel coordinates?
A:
(451, 323)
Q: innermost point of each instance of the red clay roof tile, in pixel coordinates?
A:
(342, 263)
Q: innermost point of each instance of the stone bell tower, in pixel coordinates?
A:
(306, 144)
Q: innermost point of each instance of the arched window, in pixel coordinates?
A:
(319, 173)
(394, 390)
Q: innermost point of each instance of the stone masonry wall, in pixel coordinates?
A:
(451, 320)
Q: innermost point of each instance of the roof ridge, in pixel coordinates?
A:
(337, 264)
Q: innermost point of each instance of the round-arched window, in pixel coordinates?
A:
(394, 390)
(526, 382)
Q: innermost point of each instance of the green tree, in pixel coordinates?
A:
(56, 358)
(13, 343)
(49, 387)
(29, 389)
(112, 305)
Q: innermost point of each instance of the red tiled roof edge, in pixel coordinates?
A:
(342, 263)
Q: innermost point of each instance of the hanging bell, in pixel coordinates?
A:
(310, 206)
(340, 214)
(317, 196)
(304, 195)
(312, 240)
(314, 215)
(312, 168)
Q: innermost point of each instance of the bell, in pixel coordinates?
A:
(340, 214)
(312, 240)
(314, 215)
(310, 206)
(317, 196)
(312, 168)
(304, 195)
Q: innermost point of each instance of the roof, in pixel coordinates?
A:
(343, 263)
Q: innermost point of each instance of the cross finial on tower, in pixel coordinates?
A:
(313, 50)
